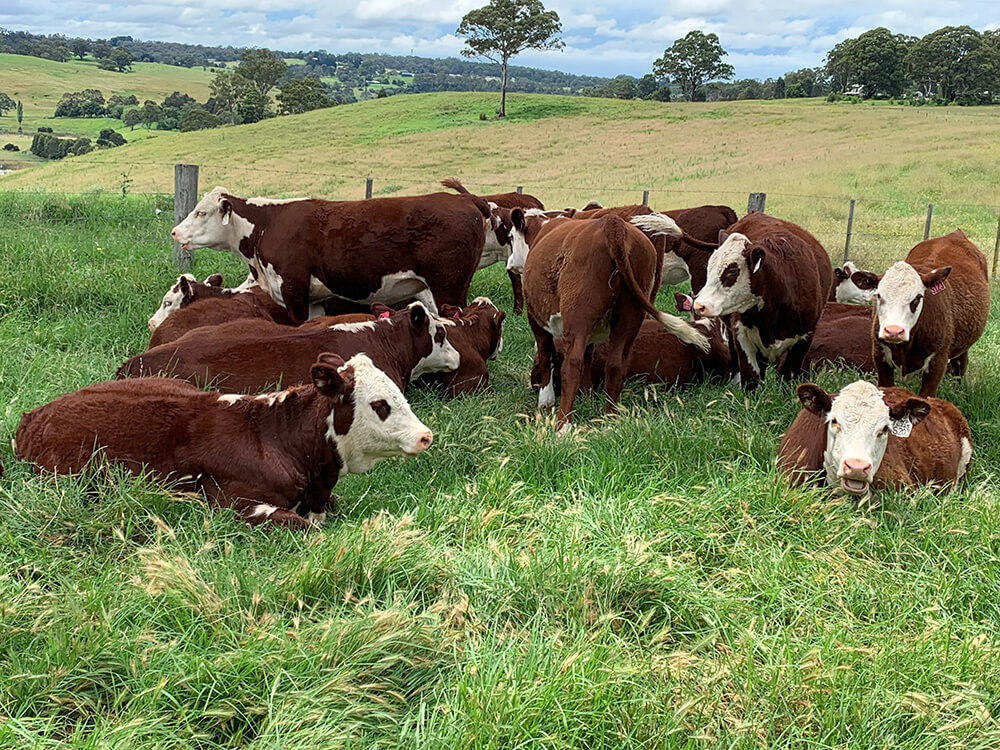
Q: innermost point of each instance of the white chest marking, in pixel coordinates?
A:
(750, 342)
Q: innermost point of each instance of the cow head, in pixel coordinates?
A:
(899, 298)
(382, 426)
(858, 423)
(183, 292)
(213, 224)
(731, 272)
(847, 290)
(495, 316)
(443, 356)
(524, 227)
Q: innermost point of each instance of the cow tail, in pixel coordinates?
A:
(454, 184)
(615, 235)
(656, 223)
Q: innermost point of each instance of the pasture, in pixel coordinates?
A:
(645, 582)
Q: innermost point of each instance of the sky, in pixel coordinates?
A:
(762, 38)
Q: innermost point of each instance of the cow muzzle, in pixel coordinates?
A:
(894, 334)
(423, 442)
(855, 475)
(701, 310)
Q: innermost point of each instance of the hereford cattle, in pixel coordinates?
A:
(274, 457)
(182, 293)
(585, 282)
(929, 309)
(845, 290)
(867, 437)
(476, 332)
(772, 277)
(253, 355)
(306, 250)
(842, 338)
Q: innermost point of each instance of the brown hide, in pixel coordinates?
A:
(210, 310)
(702, 223)
(244, 356)
(951, 320)
(350, 246)
(929, 455)
(842, 338)
(239, 455)
(476, 334)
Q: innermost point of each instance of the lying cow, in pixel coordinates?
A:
(476, 332)
(585, 282)
(254, 355)
(845, 290)
(384, 249)
(772, 277)
(929, 309)
(273, 458)
(867, 437)
(842, 338)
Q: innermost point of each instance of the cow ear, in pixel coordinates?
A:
(723, 236)
(865, 280)
(935, 277)
(755, 257)
(450, 311)
(418, 315)
(186, 287)
(517, 219)
(332, 377)
(214, 280)
(814, 398)
(841, 274)
(498, 318)
(903, 417)
(226, 209)
(683, 302)
(380, 308)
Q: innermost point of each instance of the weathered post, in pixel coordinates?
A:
(927, 222)
(850, 226)
(755, 203)
(185, 199)
(520, 189)
(368, 188)
(645, 197)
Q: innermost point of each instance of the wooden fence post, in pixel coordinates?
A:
(520, 189)
(927, 223)
(850, 226)
(185, 199)
(368, 188)
(755, 203)
(645, 197)
(996, 250)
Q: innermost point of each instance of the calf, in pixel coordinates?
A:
(772, 278)
(842, 338)
(845, 290)
(929, 309)
(273, 458)
(252, 355)
(867, 437)
(182, 293)
(382, 249)
(584, 282)
(476, 332)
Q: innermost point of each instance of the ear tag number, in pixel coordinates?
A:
(901, 427)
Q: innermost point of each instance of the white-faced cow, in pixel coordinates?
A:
(929, 309)
(274, 457)
(306, 250)
(183, 293)
(476, 332)
(867, 437)
(772, 277)
(585, 282)
(845, 290)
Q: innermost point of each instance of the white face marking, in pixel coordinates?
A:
(443, 357)
(849, 293)
(715, 299)
(519, 245)
(898, 302)
(171, 302)
(206, 226)
(857, 433)
(371, 438)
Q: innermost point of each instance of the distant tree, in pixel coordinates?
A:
(262, 68)
(132, 118)
(691, 61)
(151, 112)
(177, 100)
(81, 146)
(955, 61)
(100, 49)
(811, 82)
(80, 47)
(226, 89)
(619, 87)
(6, 104)
(111, 137)
(122, 59)
(646, 86)
(874, 61)
(20, 115)
(302, 95)
(504, 28)
(196, 117)
(779, 88)
(253, 106)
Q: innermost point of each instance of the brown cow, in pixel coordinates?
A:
(587, 281)
(383, 249)
(842, 338)
(476, 332)
(929, 309)
(772, 278)
(868, 437)
(252, 355)
(274, 457)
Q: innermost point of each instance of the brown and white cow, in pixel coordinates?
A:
(476, 332)
(274, 457)
(182, 293)
(866, 437)
(253, 355)
(306, 250)
(772, 277)
(845, 290)
(929, 309)
(586, 282)
(842, 338)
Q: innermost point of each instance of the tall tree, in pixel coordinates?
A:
(20, 114)
(80, 47)
(262, 68)
(6, 103)
(955, 61)
(302, 95)
(691, 61)
(504, 28)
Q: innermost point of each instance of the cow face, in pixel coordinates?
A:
(383, 425)
(858, 423)
(899, 298)
(496, 318)
(443, 356)
(524, 226)
(730, 271)
(212, 224)
(180, 294)
(848, 292)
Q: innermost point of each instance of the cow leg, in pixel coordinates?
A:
(542, 369)
(255, 512)
(295, 297)
(885, 371)
(791, 367)
(932, 378)
(518, 291)
(574, 352)
(958, 364)
(749, 369)
(628, 321)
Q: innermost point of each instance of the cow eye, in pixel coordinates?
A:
(382, 408)
(916, 302)
(884, 431)
(199, 213)
(835, 425)
(168, 303)
(729, 274)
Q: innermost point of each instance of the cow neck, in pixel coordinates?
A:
(258, 219)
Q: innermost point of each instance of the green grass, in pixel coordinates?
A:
(645, 582)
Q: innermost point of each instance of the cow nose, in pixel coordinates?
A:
(149, 324)
(856, 467)
(173, 233)
(424, 441)
(894, 333)
(700, 309)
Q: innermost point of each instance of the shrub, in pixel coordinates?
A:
(50, 147)
(10, 147)
(111, 137)
(44, 129)
(81, 146)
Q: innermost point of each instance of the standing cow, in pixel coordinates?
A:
(773, 278)
(306, 250)
(929, 309)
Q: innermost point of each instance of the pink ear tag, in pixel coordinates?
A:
(936, 288)
(386, 314)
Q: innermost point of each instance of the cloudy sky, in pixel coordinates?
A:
(762, 37)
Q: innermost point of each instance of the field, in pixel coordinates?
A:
(645, 582)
